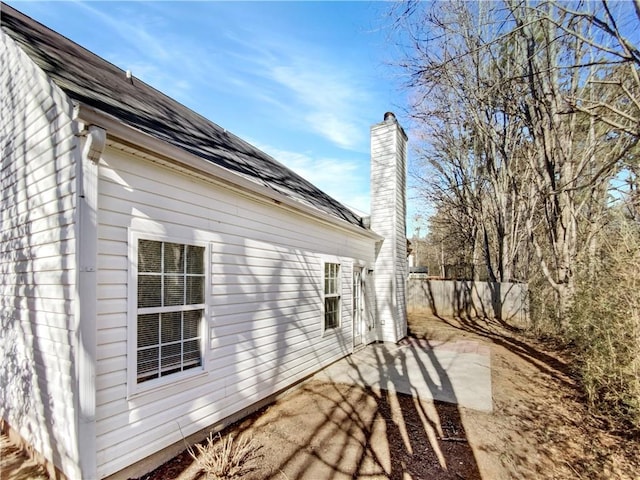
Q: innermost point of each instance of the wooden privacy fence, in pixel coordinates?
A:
(503, 300)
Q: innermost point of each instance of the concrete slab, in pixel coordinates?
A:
(453, 372)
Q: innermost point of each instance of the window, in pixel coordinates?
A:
(331, 295)
(170, 308)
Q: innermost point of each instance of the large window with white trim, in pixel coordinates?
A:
(331, 295)
(170, 308)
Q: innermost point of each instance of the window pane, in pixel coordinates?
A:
(195, 290)
(192, 324)
(192, 354)
(332, 277)
(195, 259)
(149, 256)
(331, 310)
(171, 358)
(147, 364)
(173, 258)
(148, 330)
(148, 291)
(171, 327)
(173, 290)
(331, 304)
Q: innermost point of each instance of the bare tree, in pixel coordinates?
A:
(614, 98)
(524, 128)
(466, 114)
(573, 157)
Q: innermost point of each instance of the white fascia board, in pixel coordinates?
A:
(148, 144)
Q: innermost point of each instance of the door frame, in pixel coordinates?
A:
(358, 313)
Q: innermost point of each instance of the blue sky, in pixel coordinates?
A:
(302, 81)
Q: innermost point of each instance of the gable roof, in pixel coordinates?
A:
(93, 81)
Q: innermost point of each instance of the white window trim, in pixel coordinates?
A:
(133, 387)
(341, 264)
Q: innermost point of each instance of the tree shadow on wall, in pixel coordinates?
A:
(37, 328)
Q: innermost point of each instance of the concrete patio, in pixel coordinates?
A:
(456, 372)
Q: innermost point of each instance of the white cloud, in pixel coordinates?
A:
(158, 60)
(343, 132)
(313, 87)
(341, 179)
(133, 33)
(329, 97)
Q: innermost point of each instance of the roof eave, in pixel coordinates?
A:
(145, 142)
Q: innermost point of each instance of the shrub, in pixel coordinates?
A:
(223, 458)
(605, 327)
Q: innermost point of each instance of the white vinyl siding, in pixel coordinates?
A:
(264, 303)
(38, 246)
(388, 218)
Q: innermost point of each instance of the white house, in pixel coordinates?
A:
(159, 271)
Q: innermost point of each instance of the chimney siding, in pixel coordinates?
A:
(388, 219)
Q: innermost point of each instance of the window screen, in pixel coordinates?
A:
(170, 308)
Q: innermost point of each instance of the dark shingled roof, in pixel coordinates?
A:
(91, 80)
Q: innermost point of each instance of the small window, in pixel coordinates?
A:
(331, 295)
(170, 308)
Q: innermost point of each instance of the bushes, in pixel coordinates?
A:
(605, 327)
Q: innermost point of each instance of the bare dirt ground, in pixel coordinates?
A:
(539, 427)
(16, 465)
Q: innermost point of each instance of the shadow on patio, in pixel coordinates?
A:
(371, 415)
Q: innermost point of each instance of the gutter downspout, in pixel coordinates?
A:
(86, 278)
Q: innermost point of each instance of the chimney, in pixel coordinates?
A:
(388, 219)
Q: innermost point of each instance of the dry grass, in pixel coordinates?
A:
(223, 458)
